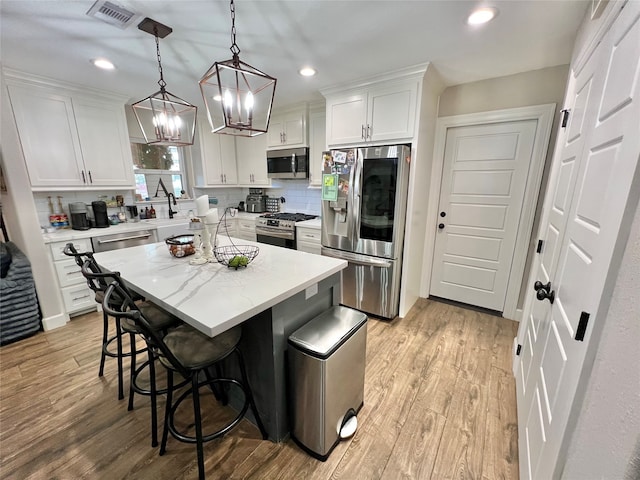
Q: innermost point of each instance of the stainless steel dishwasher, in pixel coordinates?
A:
(115, 241)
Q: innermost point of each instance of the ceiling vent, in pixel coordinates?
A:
(112, 14)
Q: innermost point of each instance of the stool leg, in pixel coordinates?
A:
(249, 393)
(152, 388)
(119, 343)
(105, 338)
(198, 421)
(167, 412)
(132, 376)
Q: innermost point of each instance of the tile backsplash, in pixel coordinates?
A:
(297, 194)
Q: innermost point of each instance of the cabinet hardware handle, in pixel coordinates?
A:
(369, 131)
(90, 177)
(225, 178)
(221, 180)
(362, 132)
(284, 136)
(443, 214)
(84, 180)
(146, 235)
(441, 226)
(80, 298)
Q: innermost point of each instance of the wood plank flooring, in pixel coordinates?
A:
(439, 403)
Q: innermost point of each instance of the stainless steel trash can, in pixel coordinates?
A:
(326, 373)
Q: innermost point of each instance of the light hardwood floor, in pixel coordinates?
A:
(439, 403)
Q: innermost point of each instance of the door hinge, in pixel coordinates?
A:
(565, 117)
(518, 349)
(539, 248)
(582, 326)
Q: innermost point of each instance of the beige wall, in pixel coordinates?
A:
(536, 87)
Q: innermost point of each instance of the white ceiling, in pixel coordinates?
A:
(343, 40)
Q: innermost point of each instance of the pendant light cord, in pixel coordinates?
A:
(161, 82)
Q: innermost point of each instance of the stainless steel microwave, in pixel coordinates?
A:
(289, 163)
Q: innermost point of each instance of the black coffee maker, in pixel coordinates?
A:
(79, 218)
(100, 217)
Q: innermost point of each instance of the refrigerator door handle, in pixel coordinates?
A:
(357, 259)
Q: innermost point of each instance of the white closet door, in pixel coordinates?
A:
(593, 175)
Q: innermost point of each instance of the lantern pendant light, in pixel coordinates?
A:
(237, 96)
(164, 118)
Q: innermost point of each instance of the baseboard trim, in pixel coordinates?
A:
(55, 321)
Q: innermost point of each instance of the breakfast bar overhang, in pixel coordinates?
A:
(278, 292)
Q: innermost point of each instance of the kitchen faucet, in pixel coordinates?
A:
(169, 196)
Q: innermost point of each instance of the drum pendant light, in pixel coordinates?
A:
(237, 96)
(164, 118)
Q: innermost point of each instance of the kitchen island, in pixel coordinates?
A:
(279, 291)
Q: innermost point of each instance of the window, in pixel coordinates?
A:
(151, 163)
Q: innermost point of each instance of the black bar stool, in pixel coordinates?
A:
(159, 320)
(80, 258)
(189, 352)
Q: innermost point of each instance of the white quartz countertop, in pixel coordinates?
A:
(213, 297)
(64, 235)
(316, 223)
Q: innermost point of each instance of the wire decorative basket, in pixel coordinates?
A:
(236, 256)
(233, 256)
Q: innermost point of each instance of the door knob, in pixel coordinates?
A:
(538, 285)
(543, 294)
(441, 226)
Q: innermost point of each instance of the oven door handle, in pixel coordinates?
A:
(267, 232)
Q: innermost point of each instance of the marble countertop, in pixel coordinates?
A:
(64, 235)
(213, 297)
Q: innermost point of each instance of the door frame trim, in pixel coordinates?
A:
(544, 115)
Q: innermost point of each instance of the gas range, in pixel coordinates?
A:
(279, 228)
(282, 221)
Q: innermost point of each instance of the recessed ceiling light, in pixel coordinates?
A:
(307, 72)
(103, 63)
(482, 15)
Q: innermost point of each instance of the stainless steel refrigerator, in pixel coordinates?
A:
(364, 202)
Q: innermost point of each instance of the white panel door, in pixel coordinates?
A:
(591, 182)
(483, 183)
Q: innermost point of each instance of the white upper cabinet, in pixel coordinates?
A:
(379, 112)
(218, 157)
(104, 141)
(69, 139)
(288, 130)
(317, 144)
(251, 154)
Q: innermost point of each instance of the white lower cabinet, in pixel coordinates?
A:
(76, 295)
(247, 229)
(308, 240)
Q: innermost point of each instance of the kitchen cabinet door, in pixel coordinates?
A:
(104, 140)
(391, 112)
(384, 112)
(287, 130)
(47, 130)
(70, 140)
(252, 161)
(346, 119)
(317, 144)
(218, 156)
